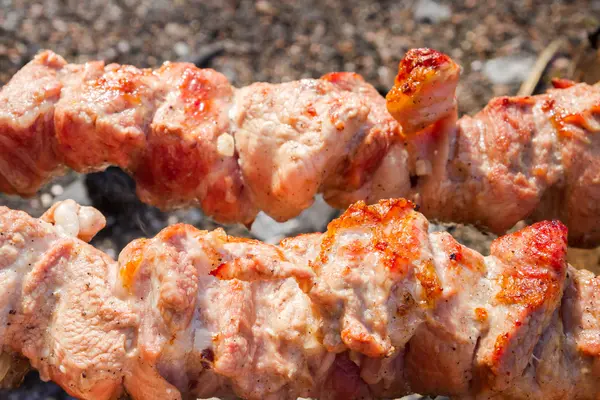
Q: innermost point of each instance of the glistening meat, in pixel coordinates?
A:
(374, 307)
(189, 138)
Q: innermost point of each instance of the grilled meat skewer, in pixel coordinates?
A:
(374, 307)
(533, 158)
(189, 138)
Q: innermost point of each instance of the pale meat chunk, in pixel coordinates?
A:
(365, 278)
(269, 347)
(574, 118)
(562, 365)
(104, 114)
(440, 354)
(495, 158)
(490, 314)
(57, 308)
(291, 137)
(527, 271)
(582, 298)
(169, 128)
(257, 336)
(556, 370)
(372, 170)
(27, 157)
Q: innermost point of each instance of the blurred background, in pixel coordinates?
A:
(503, 47)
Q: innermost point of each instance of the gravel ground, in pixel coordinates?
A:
(496, 42)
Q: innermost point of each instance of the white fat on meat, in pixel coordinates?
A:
(75, 220)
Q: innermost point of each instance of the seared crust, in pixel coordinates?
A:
(423, 91)
(374, 307)
(189, 138)
(520, 158)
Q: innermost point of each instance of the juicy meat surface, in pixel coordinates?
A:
(190, 138)
(290, 138)
(27, 134)
(374, 307)
(58, 307)
(520, 158)
(423, 92)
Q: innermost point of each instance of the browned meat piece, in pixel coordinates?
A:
(102, 115)
(520, 158)
(374, 307)
(364, 172)
(290, 138)
(189, 138)
(424, 90)
(162, 125)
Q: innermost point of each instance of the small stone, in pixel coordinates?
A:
(14, 58)
(59, 25)
(181, 49)
(508, 70)
(110, 54)
(264, 7)
(11, 21)
(476, 65)
(113, 12)
(562, 63)
(21, 48)
(345, 46)
(35, 204)
(46, 199)
(36, 10)
(173, 29)
(123, 46)
(386, 75)
(431, 11)
(56, 190)
(295, 50)
(348, 29)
